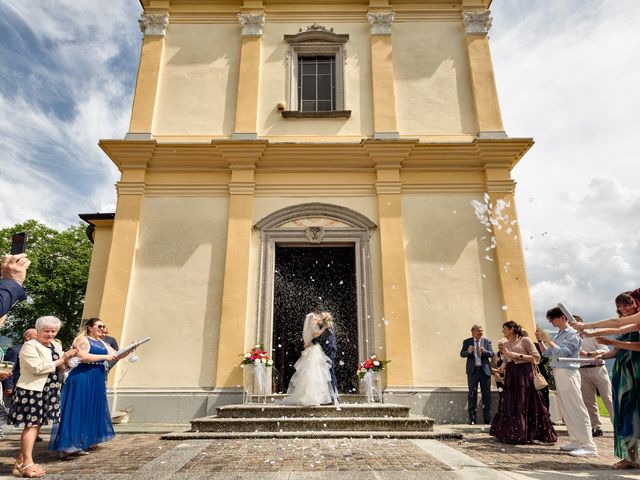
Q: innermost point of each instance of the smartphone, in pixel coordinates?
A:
(18, 243)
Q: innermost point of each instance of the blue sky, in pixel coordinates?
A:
(567, 75)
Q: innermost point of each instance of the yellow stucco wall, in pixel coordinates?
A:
(447, 291)
(176, 291)
(273, 84)
(433, 92)
(198, 80)
(198, 86)
(98, 268)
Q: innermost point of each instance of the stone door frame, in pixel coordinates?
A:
(317, 224)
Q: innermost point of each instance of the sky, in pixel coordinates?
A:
(567, 75)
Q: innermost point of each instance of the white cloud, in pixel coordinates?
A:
(565, 78)
(72, 65)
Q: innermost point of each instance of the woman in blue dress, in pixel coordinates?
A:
(85, 420)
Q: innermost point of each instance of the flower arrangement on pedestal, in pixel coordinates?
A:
(371, 364)
(256, 380)
(369, 373)
(256, 356)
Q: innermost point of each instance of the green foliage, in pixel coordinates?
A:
(602, 410)
(56, 280)
(550, 378)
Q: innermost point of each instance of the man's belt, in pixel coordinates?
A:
(592, 366)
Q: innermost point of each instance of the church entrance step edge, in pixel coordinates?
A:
(289, 411)
(214, 424)
(435, 434)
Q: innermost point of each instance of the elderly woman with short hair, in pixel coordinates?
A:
(36, 397)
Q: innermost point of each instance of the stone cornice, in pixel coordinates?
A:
(367, 155)
(241, 154)
(129, 154)
(389, 154)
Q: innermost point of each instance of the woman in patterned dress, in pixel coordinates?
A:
(37, 395)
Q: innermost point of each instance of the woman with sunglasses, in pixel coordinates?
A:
(85, 419)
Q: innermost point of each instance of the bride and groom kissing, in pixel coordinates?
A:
(314, 381)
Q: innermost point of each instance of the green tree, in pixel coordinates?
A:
(56, 280)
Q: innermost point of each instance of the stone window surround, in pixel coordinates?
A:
(316, 41)
(356, 233)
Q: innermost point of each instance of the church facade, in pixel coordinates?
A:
(286, 156)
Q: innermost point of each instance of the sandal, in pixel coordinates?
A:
(16, 469)
(625, 465)
(33, 470)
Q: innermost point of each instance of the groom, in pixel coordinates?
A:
(327, 341)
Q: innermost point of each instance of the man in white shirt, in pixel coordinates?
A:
(566, 344)
(594, 378)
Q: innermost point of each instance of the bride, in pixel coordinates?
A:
(311, 382)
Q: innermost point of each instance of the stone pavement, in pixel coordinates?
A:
(477, 456)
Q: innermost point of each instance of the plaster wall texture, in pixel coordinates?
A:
(367, 206)
(274, 81)
(433, 88)
(176, 291)
(198, 80)
(98, 271)
(447, 291)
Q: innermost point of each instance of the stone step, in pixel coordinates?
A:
(253, 410)
(371, 424)
(436, 434)
(344, 398)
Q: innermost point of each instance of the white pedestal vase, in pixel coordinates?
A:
(372, 386)
(257, 380)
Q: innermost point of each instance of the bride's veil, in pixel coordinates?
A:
(309, 327)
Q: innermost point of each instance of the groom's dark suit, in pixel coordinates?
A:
(327, 341)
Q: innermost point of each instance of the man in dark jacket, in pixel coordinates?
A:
(478, 352)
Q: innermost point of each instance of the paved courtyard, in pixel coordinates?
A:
(477, 456)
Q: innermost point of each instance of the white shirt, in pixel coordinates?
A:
(589, 344)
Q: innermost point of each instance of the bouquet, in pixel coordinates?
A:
(256, 356)
(371, 364)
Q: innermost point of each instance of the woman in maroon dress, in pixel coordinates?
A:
(522, 415)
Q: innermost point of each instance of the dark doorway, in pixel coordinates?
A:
(309, 279)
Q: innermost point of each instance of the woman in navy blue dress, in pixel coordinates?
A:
(85, 420)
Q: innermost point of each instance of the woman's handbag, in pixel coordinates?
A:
(538, 380)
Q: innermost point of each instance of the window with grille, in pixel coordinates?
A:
(316, 79)
(316, 84)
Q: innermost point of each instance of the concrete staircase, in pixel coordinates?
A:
(353, 420)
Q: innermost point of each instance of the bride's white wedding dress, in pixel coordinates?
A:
(311, 382)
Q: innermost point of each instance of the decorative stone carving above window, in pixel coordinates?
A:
(477, 23)
(316, 33)
(315, 86)
(154, 24)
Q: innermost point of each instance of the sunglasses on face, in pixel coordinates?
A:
(101, 327)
